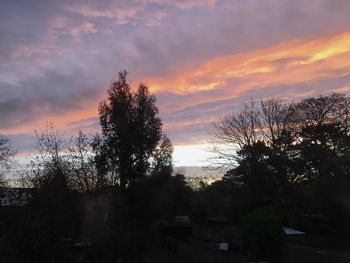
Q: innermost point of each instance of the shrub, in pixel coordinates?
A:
(263, 233)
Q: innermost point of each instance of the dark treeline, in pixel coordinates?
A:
(106, 191)
(287, 164)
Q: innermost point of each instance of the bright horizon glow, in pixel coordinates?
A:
(191, 155)
(188, 155)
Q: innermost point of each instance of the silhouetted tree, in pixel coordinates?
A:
(6, 154)
(103, 164)
(322, 148)
(290, 156)
(267, 122)
(323, 133)
(252, 144)
(301, 136)
(49, 157)
(148, 129)
(54, 208)
(233, 132)
(131, 130)
(162, 164)
(84, 176)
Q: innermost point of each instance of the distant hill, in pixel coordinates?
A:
(197, 171)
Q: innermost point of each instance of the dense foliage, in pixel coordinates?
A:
(292, 156)
(263, 232)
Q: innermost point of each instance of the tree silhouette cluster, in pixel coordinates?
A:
(294, 157)
(97, 197)
(296, 143)
(131, 130)
(107, 190)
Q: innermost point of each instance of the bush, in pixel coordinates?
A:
(263, 233)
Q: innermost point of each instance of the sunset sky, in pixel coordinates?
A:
(202, 60)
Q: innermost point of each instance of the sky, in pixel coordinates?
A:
(201, 58)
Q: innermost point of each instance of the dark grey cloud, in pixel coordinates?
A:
(53, 94)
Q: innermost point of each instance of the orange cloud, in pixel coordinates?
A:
(288, 63)
(60, 122)
(283, 64)
(216, 85)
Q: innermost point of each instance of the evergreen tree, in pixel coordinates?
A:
(131, 130)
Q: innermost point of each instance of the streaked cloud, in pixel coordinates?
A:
(202, 58)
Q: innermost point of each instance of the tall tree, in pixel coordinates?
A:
(147, 129)
(131, 130)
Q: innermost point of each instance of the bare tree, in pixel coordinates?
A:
(264, 122)
(73, 159)
(6, 154)
(48, 159)
(343, 113)
(233, 132)
(274, 118)
(321, 110)
(295, 134)
(84, 176)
